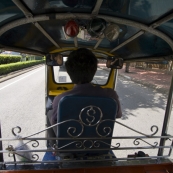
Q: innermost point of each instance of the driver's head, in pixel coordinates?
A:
(58, 58)
(81, 66)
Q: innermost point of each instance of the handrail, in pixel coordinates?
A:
(80, 146)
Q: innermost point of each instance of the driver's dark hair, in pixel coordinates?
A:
(81, 66)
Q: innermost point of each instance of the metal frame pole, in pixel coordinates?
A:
(166, 118)
(1, 154)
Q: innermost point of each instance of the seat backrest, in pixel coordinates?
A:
(86, 117)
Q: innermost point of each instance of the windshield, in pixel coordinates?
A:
(100, 78)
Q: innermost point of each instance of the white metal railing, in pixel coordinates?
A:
(32, 155)
(81, 148)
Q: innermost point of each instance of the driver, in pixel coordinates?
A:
(81, 66)
(58, 59)
(55, 60)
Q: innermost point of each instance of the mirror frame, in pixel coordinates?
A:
(54, 59)
(114, 63)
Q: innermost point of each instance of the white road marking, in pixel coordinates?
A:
(20, 79)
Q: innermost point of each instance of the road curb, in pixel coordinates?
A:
(11, 75)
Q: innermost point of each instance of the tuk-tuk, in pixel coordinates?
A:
(118, 32)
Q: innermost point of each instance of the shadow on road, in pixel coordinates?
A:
(137, 99)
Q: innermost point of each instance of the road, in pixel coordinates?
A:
(23, 101)
(142, 108)
(22, 104)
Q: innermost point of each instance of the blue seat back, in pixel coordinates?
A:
(86, 117)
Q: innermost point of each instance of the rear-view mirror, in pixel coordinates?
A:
(54, 59)
(114, 63)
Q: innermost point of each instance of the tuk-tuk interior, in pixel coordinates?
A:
(131, 31)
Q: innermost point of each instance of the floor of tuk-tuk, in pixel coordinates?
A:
(147, 166)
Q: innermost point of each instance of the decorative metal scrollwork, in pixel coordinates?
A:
(86, 141)
(87, 144)
(11, 150)
(107, 130)
(111, 146)
(91, 111)
(35, 143)
(136, 142)
(89, 116)
(152, 128)
(107, 120)
(88, 113)
(24, 156)
(73, 129)
(21, 155)
(96, 144)
(35, 157)
(79, 144)
(14, 128)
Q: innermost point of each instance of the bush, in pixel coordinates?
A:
(7, 68)
(6, 59)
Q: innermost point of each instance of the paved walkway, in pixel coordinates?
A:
(159, 80)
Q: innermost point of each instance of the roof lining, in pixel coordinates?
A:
(141, 32)
(60, 16)
(28, 14)
(97, 8)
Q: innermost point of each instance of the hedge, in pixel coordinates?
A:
(7, 68)
(6, 59)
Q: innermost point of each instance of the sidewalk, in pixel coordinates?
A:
(158, 80)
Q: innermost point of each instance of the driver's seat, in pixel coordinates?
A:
(83, 118)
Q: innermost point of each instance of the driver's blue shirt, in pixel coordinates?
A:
(86, 90)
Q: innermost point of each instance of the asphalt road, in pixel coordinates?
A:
(23, 101)
(142, 108)
(22, 104)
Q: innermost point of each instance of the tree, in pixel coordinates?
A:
(127, 67)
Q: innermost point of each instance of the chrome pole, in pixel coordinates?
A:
(2, 165)
(166, 118)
